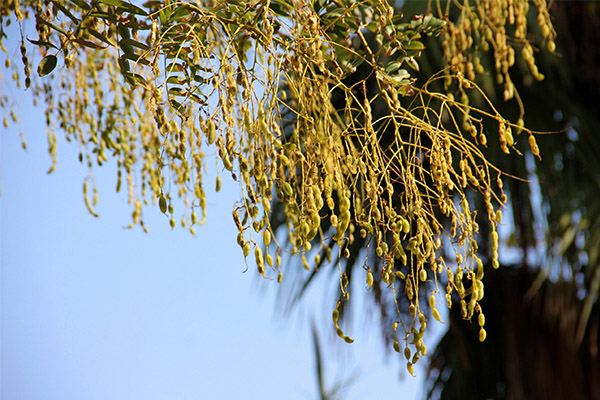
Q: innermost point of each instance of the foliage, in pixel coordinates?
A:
(275, 89)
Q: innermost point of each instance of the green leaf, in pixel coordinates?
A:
(47, 65)
(99, 36)
(414, 45)
(124, 6)
(42, 43)
(81, 4)
(66, 12)
(134, 43)
(87, 43)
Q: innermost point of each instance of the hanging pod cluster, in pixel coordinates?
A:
(270, 87)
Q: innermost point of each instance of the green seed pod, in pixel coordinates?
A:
(396, 346)
(407, 353)
(162, 204)
(348, 339)
(335, 315)
(212, 132)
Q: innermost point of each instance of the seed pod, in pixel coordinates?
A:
(267, 237)
(432, 301)
(348, 339)
(409, 368)
(482, 335)
(396, 346)
(533, 145)
(436, 315)
(481, 319)
(193, 217)
(423, 275)
(212, 131)
(246, 249)
(407, 353)
(172, 222)
(335, 315)
(369, 278)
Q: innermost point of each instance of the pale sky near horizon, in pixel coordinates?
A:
(91, 310)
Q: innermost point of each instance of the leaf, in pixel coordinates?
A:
(42, 43)
(414, 45)
(125, 6)
(99, 36)
(87, 43)
(47, 65)
(82, 4)
(66, 12)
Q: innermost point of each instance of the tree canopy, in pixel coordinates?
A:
(350, 146)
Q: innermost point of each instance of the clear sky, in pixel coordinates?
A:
(91, 310)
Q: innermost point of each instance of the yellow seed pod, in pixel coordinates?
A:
(409, 368)
(494, 241)
(279, 277)
(334, 220)
(533, 145)
(369, 278)
(499, 216)
(218, 184)
(432, 300)
(284, 160)
(481, 319)
(412, 310)
(193, 217)
(436, 314)
(407, 352)
(305, 263)
(172, 223)
(508, 136)
(278, 260)
(269, 260)
(335, 316)
(396, 346)
(287, 188)
(162, 204)
(423, 275)
(267, 237)
(482, 335)
(246, 249)
(348, 339)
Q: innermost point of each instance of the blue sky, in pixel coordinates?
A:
(91, 310)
